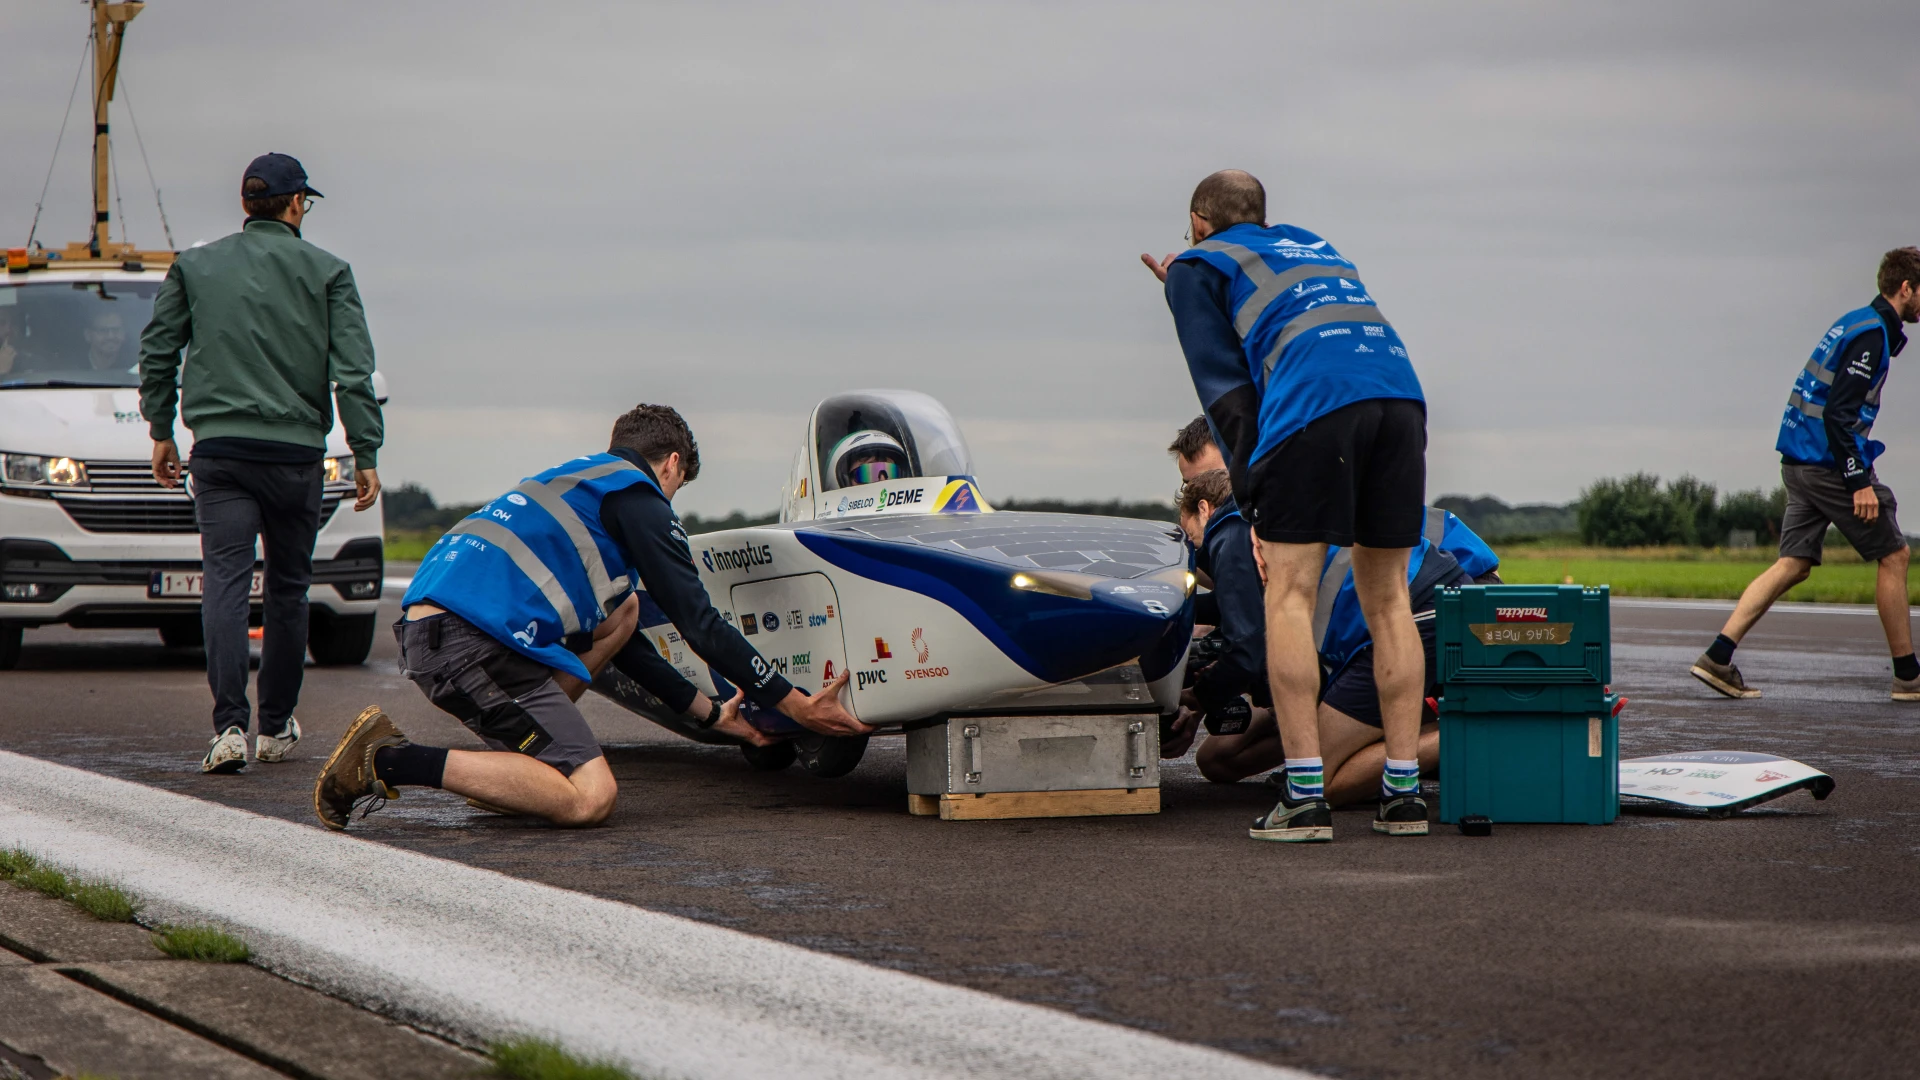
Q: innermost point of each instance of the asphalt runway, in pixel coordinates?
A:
(1782, 942)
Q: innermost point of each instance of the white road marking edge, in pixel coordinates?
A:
(482, 955)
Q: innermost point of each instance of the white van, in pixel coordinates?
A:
(88, 538)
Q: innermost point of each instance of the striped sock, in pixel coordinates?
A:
(1304, 779)
(1400, 778)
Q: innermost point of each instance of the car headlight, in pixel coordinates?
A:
(34, 470)
(1056, 582)
(338, 468)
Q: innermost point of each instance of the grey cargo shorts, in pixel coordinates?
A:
(1816, 498)
(508, 700)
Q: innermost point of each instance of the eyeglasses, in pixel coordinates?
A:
(306, 204)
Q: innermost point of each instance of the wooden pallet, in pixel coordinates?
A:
(1031, 804)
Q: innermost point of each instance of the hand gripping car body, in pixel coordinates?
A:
(888, 563)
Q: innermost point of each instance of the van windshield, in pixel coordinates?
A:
(79, 333)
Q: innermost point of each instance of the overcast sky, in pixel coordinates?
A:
(1609, 233)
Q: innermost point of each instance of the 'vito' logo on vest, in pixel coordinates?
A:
(525, 637)
(1520, 614)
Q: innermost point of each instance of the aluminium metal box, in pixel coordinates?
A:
(979, 754)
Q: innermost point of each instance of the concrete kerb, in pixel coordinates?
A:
(480, 956)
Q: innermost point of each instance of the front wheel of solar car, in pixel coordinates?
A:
(769, 758)
(830, 756)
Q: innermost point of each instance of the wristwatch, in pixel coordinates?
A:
(713, 716)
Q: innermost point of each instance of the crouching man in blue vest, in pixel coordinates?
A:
(1348, 719)
(1323, 423)
(1826, 462)
(515, 610)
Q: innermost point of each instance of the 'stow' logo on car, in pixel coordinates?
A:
(1519, 614)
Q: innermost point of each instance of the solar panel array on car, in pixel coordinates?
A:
(1107, 547)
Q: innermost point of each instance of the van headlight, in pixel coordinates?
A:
(338, 468)
(33, 470)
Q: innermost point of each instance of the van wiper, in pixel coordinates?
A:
(61, 384)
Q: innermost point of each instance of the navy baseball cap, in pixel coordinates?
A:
(282, 175)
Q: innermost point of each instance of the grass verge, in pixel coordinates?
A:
(410, 545)
(108, 903)
(540, 1059)
(207, 944)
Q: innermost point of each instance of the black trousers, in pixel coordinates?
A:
(234, 502)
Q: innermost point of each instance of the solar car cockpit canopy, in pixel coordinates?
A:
(864, 436)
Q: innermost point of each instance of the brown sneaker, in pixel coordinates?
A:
(1906, 689)
(347, 778)
(1724, 678)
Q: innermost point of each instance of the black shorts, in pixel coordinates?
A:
(1352, 691)
(1357, 475)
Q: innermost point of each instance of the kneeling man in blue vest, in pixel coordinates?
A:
(515, 610)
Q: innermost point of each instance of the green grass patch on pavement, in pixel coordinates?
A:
(207, 944)
(105, 902)
(541, 1059)
(1705, 573)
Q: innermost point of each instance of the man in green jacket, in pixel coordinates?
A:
(269, 322)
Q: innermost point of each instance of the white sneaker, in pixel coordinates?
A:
(275, 748)
(228, 754)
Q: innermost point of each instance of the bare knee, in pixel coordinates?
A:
(1798, 570)
(1897, 562)
(1216, 767)
(588, 809)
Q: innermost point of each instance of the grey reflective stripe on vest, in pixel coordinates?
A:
(549, 497)
(1796, 401)
(1320, 316)
(1436, 525)
(523, 557)
(1267, 285)
(1819, 371)
(567, 482)
(604, 588)
(1330, 581)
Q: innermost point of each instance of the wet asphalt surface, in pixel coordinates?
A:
(1783, 942)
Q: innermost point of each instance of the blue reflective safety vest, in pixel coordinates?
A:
(1315, 341)
(1338, 624)
(535, 568)
(1803, 427)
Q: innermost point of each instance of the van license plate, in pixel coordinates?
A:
(165, 584)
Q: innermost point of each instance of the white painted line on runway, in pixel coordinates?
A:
(400, 583)
(483, 955)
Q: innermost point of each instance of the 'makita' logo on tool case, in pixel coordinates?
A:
(1519, 614)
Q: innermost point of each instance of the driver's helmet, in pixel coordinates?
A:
(867, 457)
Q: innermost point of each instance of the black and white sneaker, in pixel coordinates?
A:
(1405, 815)
(227, 754)
(1308, 821)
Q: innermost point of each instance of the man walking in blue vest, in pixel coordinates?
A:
(514, 610)
(1826, 461)
(1324, 427)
